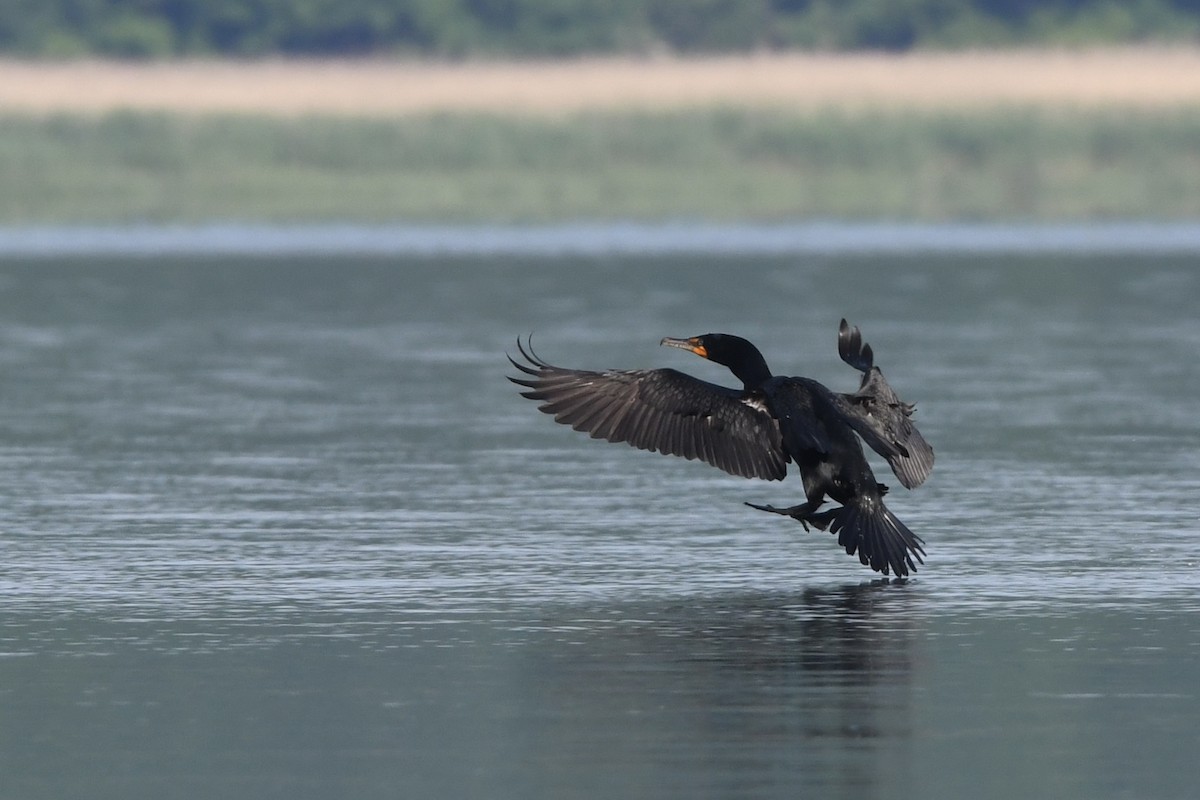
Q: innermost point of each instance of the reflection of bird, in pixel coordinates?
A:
(756, 430)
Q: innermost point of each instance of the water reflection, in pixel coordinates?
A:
(786, 692)
(844, 635)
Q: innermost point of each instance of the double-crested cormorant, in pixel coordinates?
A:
(756, 430)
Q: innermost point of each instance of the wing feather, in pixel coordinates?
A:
(879, 416)
(661, 410)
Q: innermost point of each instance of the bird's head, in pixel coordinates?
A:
(743, 358)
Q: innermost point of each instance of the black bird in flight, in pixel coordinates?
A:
(756, 430)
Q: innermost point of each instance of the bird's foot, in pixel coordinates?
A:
(801, 513)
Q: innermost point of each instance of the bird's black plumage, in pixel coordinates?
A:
(662, 410)
(879, 416)
(756, 430)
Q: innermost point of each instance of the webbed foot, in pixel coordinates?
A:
(801, 513)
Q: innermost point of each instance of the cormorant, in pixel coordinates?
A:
(756, 430)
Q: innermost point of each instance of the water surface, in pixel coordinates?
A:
(279, 527)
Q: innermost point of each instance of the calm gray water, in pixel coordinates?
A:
(278, 527)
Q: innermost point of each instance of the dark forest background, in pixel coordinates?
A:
(541, 28)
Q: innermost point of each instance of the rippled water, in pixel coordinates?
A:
(279, 527)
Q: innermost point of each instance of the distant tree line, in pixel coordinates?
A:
(460, 28)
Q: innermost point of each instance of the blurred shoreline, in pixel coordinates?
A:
(1108, 239)
(1150, 78)
(1021, 136)
(716, 166)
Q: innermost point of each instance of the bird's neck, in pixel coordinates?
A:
(753, 371)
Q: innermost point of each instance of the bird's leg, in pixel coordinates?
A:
(802, 513)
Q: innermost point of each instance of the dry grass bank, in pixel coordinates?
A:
(1134, 78)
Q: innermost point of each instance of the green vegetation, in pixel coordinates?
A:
(160, 28)
(714, 165)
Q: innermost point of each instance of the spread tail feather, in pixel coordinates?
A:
(868, 528)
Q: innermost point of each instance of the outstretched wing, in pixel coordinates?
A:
(661, 410)
(879, 416)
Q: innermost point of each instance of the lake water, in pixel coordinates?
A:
(279, 527)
